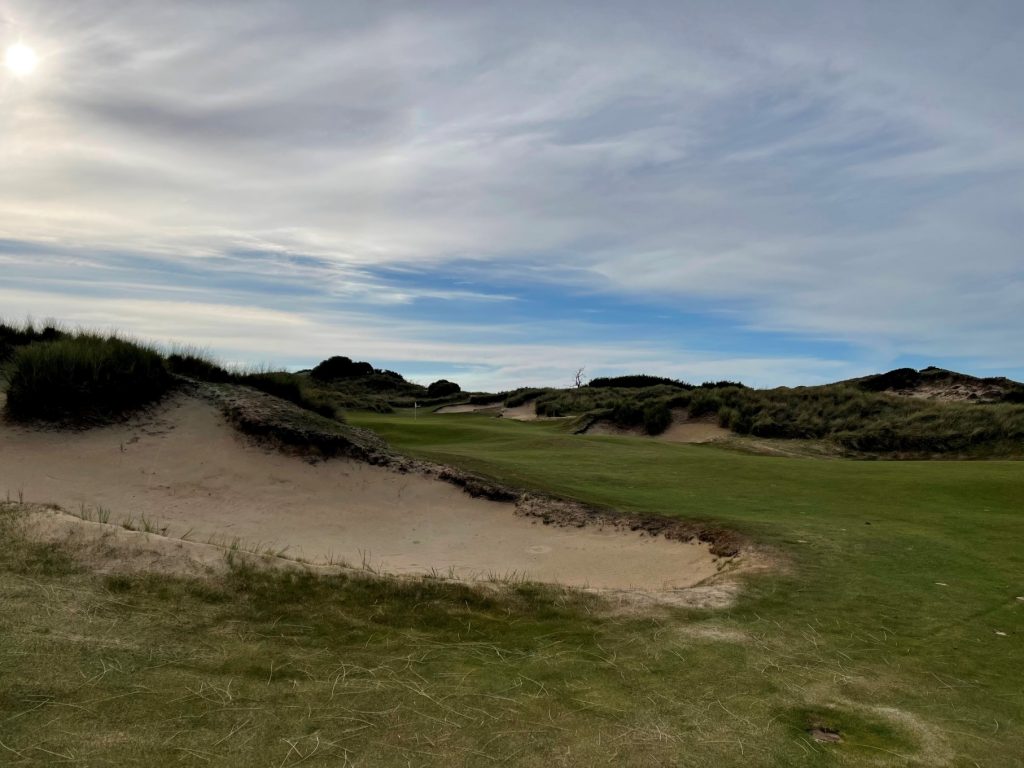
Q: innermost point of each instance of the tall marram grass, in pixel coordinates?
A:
(84, 376)
(14, 335)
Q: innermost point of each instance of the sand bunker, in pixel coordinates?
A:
(469, 408)
(184, 469)
(703, 429)
(525, 412)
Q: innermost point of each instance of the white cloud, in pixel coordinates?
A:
(845, 171)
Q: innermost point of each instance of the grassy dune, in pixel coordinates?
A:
(881, 622)
(84, 376)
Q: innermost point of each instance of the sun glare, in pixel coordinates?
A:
(21, 60)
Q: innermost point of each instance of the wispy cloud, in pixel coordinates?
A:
(848, 175)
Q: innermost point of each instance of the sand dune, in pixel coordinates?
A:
(182, 467)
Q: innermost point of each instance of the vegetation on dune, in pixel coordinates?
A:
(635, 382)
(524, 395)
(943, 382)
(83, 376)
(287, 386)
(340, 367)
(333, 386)
(853, 419)
(13, 336)
(443, 388)
(863, 421)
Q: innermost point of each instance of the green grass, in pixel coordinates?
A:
(851, 632)
(867, 545)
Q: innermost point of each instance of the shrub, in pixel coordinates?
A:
(628, 413)
(549, 408)
(341, 368)
(657, 417)
(83, 377)
(705, 401)
(637, 381)
(443, 388)
(383, 382)
(900, 378)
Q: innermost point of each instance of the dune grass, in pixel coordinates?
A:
(14, 335)
(83, 376)
(845, 415)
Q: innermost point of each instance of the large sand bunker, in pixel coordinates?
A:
(182, 467)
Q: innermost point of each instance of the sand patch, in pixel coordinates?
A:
(182, 468)
(699, 430)
(525, 412)
(469, 408)
(683, 429)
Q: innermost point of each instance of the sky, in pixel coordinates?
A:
(783, 193)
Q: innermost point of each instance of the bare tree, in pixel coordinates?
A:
(579, 377)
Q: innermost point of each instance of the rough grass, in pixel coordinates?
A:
(299, 390)
(900, 577)
(281, 669)
(14, 335)
(83, 376)
(882, 625)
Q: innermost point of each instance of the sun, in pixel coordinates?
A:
(21, 60)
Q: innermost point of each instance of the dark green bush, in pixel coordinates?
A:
(638, 381)
(628, 413)
(383, 382)
(84, 376)
(657, 417)
(339, 367)
(549, 408)
(443, 388)
(901, 378)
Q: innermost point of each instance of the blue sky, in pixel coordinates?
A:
(785, 193)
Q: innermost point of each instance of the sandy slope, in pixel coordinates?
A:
(184, 468)
(682, 429)
(525, 412)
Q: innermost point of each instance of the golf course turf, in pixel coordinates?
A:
(888, 630)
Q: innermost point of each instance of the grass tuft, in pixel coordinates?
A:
(83, 377)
